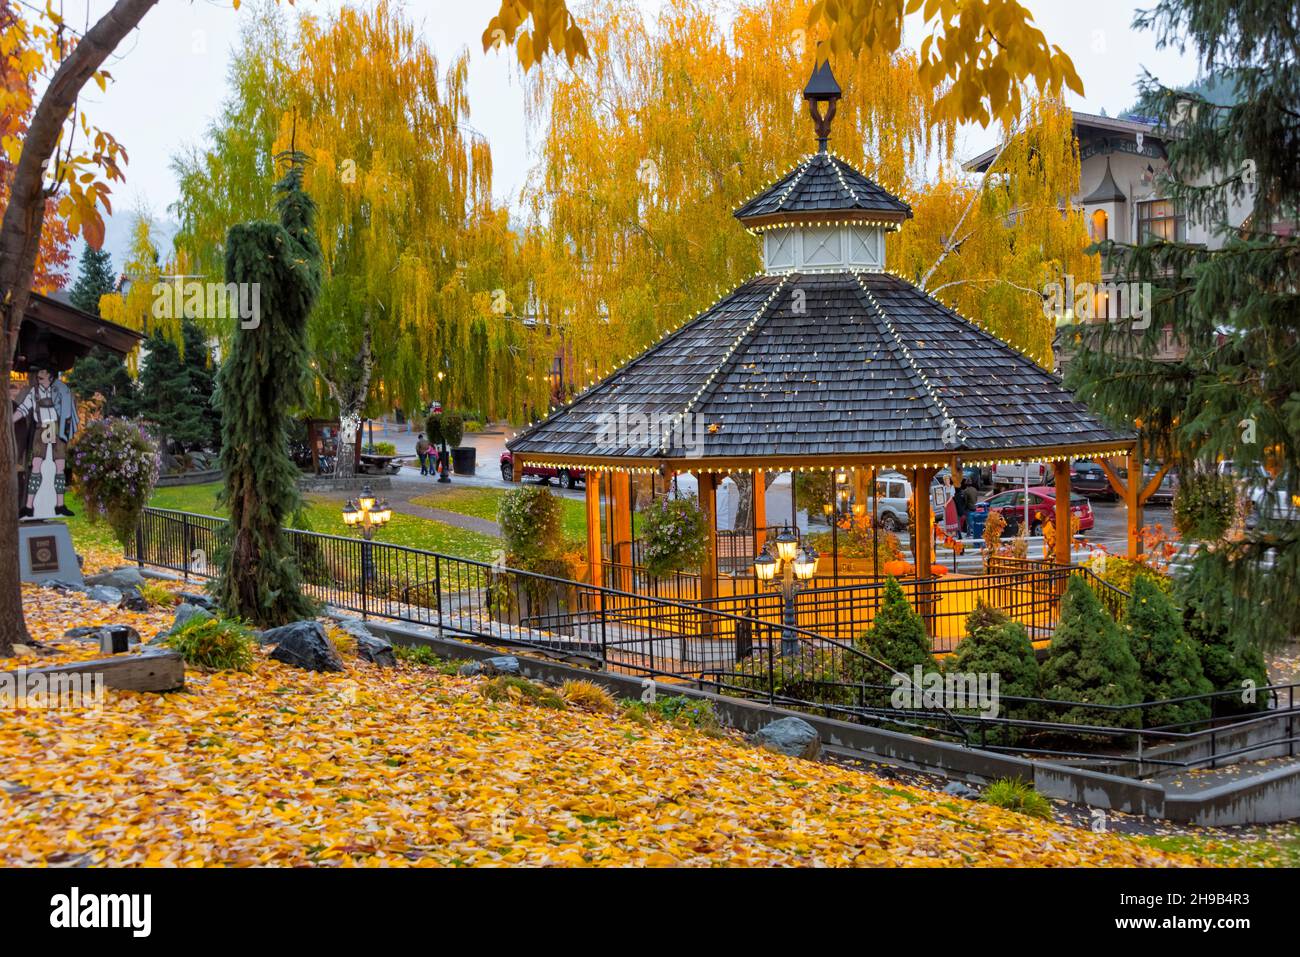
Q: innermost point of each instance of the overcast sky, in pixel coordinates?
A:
(170, 80)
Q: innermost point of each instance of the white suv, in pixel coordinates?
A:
(1013, 473)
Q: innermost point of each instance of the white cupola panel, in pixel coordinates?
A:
(824, 248)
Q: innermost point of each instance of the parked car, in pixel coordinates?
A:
(567, 476)
(1042, 505)
(1013, 473)
(1088, 478)
(1164, 495)
(893, 490)
(981, 477)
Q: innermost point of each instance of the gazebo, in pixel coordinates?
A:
(824, 361)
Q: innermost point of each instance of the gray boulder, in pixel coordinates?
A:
(792, 736)
(63, 585)
(500, 665)
(132, 600)
(183, 614)
(105, 593)
(958, 789)
(201, 601)
(377, 651)
(120, 578)
(303, 644)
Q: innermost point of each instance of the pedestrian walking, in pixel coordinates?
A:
(422, 447)
(962, 505)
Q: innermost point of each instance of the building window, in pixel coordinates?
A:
(1160, 219)
(1099, 228)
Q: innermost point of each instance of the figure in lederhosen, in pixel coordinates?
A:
(51, 414)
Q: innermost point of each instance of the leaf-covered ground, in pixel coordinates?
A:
(409, 766)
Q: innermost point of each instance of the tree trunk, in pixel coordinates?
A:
(20, 235)
(350, 392)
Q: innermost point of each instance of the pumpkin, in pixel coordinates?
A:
(938, 571)
(898, 568)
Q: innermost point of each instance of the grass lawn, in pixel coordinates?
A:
(322, 516)
(483, 503)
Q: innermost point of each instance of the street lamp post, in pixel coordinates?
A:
(788, 571)
(366, 514)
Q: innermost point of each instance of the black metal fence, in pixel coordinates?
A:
(738, 645)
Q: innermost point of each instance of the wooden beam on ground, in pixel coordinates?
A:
(151, 669)
(1064, 538)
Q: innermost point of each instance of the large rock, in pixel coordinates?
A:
(958, 789)
(105, 593)
(378, 651)
(120, 578)
(183, 614)
(132, 600)
(62, 585)
(792, 736)
(500, 665)
(202, 601)
(303, 644)
(370, 648)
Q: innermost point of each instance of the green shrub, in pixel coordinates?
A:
(425, 656)
(1090, 661)
(445, 427)
(1205, 504)
(1123, 572)
(1016, 795)
(214, 644)
(1226, 663)
(812, 674)
(897, 637)
(674, 536)
(381, 448)
(1169, 661)
(995, 645)
(687, 712)
(473, 425)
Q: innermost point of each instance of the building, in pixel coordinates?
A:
(1121, 162)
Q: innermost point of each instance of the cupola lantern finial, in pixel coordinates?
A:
(822, 89)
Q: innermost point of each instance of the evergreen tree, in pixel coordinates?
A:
(104, 373)
(1228, 665)
(101, 372)
(897, 637)
(1169, 660)
(996, 645)
(95, 279)
(176, 391)
(1233, 396)
(1090, 661)
(259, 385)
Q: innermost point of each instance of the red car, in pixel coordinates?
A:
(1042, 505)
(568, 476)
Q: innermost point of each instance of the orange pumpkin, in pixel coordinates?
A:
(938, 571)
(898, 568)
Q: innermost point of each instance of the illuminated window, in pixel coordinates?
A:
(1160, 219)
(1100, 226)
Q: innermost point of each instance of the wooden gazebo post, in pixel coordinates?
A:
(1064, 540)
(620, 527)
(760, 510)
(595, 553)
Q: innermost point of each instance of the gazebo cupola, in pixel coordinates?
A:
(823, 215)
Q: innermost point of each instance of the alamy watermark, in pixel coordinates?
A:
(181, 298)
(46, 691)
(958, 690)
(661, 431)
(1071, 301)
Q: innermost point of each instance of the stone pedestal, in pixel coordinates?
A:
(45, 552)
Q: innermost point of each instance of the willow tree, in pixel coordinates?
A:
(651, 144)
(988, 245)
(260, 385)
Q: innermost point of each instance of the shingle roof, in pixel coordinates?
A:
(824, 183)
(826, 364)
